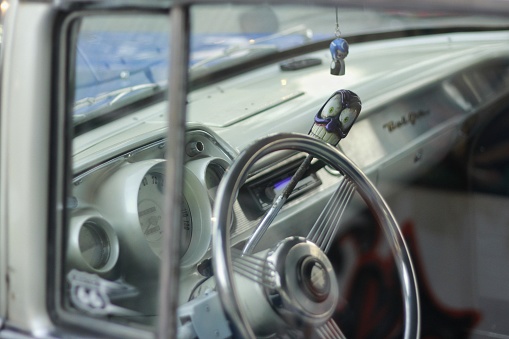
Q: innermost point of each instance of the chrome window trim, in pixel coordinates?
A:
(175, 140)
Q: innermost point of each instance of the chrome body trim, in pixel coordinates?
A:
(175, 138)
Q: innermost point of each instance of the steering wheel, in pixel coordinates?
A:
(293, 284)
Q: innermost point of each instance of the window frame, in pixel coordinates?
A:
(65, 37)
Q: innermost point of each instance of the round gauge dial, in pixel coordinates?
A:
(94, 245)
(213, 176)
(150, 215)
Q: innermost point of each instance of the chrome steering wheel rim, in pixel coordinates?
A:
(227, 194)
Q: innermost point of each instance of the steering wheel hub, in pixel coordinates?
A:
(315, 279)
(307, 289)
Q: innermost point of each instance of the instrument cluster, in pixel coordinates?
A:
(117, 209)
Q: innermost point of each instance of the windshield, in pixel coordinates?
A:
(123, 60)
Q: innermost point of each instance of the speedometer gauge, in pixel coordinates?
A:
(150, 215)
(133, 199)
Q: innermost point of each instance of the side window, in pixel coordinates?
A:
(117, 105)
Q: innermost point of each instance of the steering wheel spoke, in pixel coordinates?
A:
(330, 330)
(253, 268)
(327, 225)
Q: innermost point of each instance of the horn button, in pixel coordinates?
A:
(314, 278)
(306, 290)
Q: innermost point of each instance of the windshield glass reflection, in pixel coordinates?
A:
(121, 60)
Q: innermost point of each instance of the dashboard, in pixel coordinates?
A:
(117, 210)
(117, 203)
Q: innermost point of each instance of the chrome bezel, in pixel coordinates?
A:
(75, 256)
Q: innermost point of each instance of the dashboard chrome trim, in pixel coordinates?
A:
(410, 118)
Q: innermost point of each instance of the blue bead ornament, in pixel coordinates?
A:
(339, 51)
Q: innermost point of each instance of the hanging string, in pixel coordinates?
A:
(338, 31)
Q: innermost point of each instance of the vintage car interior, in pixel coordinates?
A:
(425, 137)
(340, 172)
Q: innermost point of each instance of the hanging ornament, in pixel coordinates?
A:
(339, 51)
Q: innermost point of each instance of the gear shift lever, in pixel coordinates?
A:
(332, 123)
